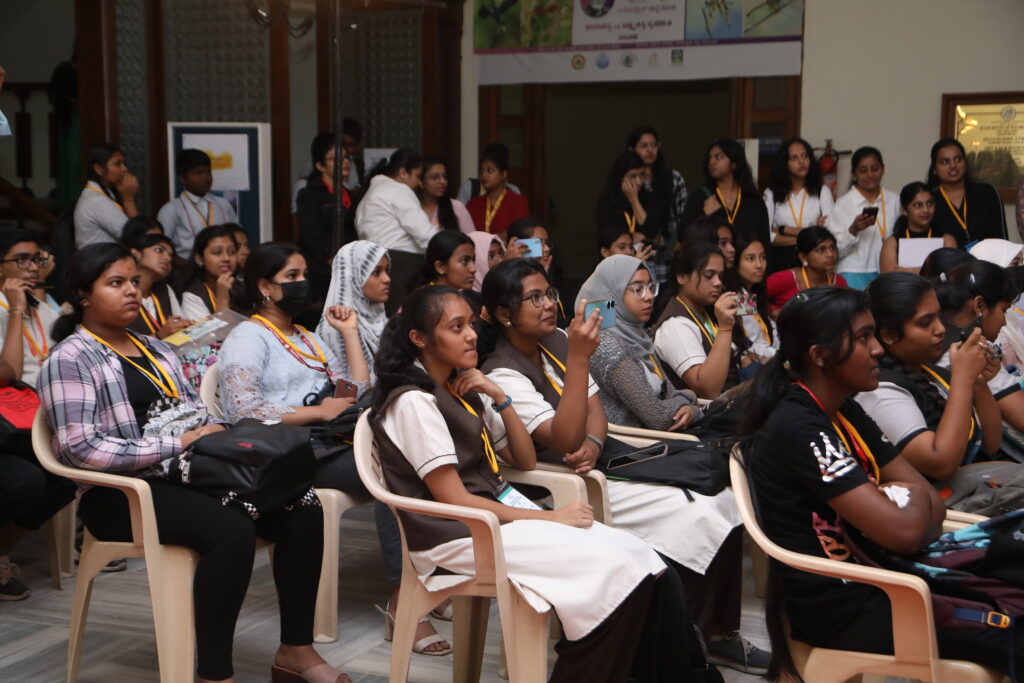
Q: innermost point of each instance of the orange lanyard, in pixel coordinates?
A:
(147, 318)
(34, 349)
(829, 277)
(704, 326)
(492, 457)
(630, 222)
(557, 362)
(213, 299)
(167, 385)
(317, 355)
(799, 220)
(118, 205)
(735, 209)
(763, 325)
(490, 210)
(860, 447)
(209, 210)
(881, 214)
(956, 214)
(945, 385)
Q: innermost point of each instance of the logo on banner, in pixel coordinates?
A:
(578, 61)
(596, 8)
(628, 60)
(603, 60)
(677, 57)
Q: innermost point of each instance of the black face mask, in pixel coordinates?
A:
(294, 297)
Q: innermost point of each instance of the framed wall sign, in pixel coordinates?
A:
(990, 126)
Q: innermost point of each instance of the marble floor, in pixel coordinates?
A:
(120, 648)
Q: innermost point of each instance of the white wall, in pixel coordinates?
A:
(875, 72)
(302, 84)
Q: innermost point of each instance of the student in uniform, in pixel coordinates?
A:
(498, 206)
(747, 279)
(108, 199)
(546, 371)
(696, 348)
(816, 247)
(160, 313)
(531, 228)
(918, 209)
(937, 418)
(816, 460)
(451, 260)
(444, 212)
(730, 191)
(862, 218)
(795, 199)
(207, 289)
(29, 495)
(196, 207)
(629, 204)
(967, 209)
(96, 388)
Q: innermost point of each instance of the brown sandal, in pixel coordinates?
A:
(321, 673)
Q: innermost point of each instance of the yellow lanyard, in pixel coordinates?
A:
(558, 363)
(630, 222)
(561, 309)
(735, 209)
(209, 210)
(945, 385)
(167, 385)
(704, 327)
(881, 214)
(213, 299)
(861, 444)
(956, 214)
(318, 357)
(764, 327)
(830, 278)
(492, 457)
(34, 349)
(654, 364)
(490, 210)
(799, 220)
(90, 187)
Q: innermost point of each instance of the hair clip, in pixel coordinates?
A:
(943, 278)
(970, 276)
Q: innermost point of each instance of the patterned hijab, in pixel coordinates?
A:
(352, 267)
(608, 281)
(482, 242)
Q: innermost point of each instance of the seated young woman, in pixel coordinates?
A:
(713, 230)
(816, 247)
(938, 420)
(634, 389)
(698, 351)
(943, 261)
(816, 461)
(917, 208)
(430, 410)
(207, 288)
(160, 314)
(97, 388)
(978, 294)
(614, 239)
(546, 372)
(490, 251)
(748, 281)
(450, 260)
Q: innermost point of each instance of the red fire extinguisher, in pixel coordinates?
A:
(829, 162)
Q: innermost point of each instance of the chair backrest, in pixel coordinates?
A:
(209, 391)
(367, 460)
(42, 444)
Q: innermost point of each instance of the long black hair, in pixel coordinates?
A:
(902, 226)
(705, 229)
(661, 174)
(623, 164)
(503, 288)
(265, 261)
(779, 181)
(401, 158)
(99, 155)
(943, 260)
(83, 270)
(742, 175)
(445, 212)
(732, 282)
(942, 143)
(194, 273)
(975, 278)
(395, 362)
(440, 248)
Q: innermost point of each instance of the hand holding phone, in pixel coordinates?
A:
(534, 249)
(605, 308)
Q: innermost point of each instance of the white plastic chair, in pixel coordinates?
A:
(637, 436)
(209, 391)
(916, 653)
(60, 541)
(524, 630)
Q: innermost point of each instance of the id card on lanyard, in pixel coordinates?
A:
(507, 495)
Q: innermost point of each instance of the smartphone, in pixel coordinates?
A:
(966, 332)
(534, 249)
(747, 304)
(345, 389)
(870, 211)
(606, 308)
(641, 245)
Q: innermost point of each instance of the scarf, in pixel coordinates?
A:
(999, 252)
(482, 242)
(350, 270)
(608, 281)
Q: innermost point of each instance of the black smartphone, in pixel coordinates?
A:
(966, 332)
(870, 211)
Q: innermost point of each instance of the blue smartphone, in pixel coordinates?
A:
(534, 249)
(606, 308)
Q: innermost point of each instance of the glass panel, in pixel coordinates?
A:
(514, 139)
(510, 100)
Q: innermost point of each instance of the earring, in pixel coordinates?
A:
(805, 263)
(266, 298)
(821, 363)
(508, 323)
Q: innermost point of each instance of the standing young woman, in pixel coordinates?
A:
(498, 206)
(547, 371)
(965, 208)
(667, 183)
(937, 419)
(795, 199)
(444, 212)
(917, 208)
(748, 281)
(108, 199)
(629, 204)
(431, 407)
(697, 349)
(214, 262)
(816, 460)
(160, 314)
(729, 190)
(390, 215)
(862, 219)
(96, 389)
(816, 248)
(451, 260)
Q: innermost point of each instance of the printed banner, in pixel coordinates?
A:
(552, 41)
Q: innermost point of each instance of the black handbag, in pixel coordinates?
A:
(254, 466)
(690, 465)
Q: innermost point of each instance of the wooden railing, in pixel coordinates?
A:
(26, 204)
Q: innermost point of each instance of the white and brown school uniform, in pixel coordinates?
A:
(683, 342)
(36, 341)
(155, 309)
(198, 301)
(688, 532)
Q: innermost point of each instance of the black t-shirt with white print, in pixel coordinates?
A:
(797, 464)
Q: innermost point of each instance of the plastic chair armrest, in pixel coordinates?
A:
(648, 434)
(565, 486)
(964, 517)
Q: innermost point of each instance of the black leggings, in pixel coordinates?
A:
(226, 542)
(29, 495)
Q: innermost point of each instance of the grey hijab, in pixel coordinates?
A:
(608, 281)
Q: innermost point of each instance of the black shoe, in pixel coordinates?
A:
(736, 652)
(10, 587)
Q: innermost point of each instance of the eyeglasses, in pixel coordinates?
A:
(638, 288)
(24, 262)
(648, 145)
(539, 298)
